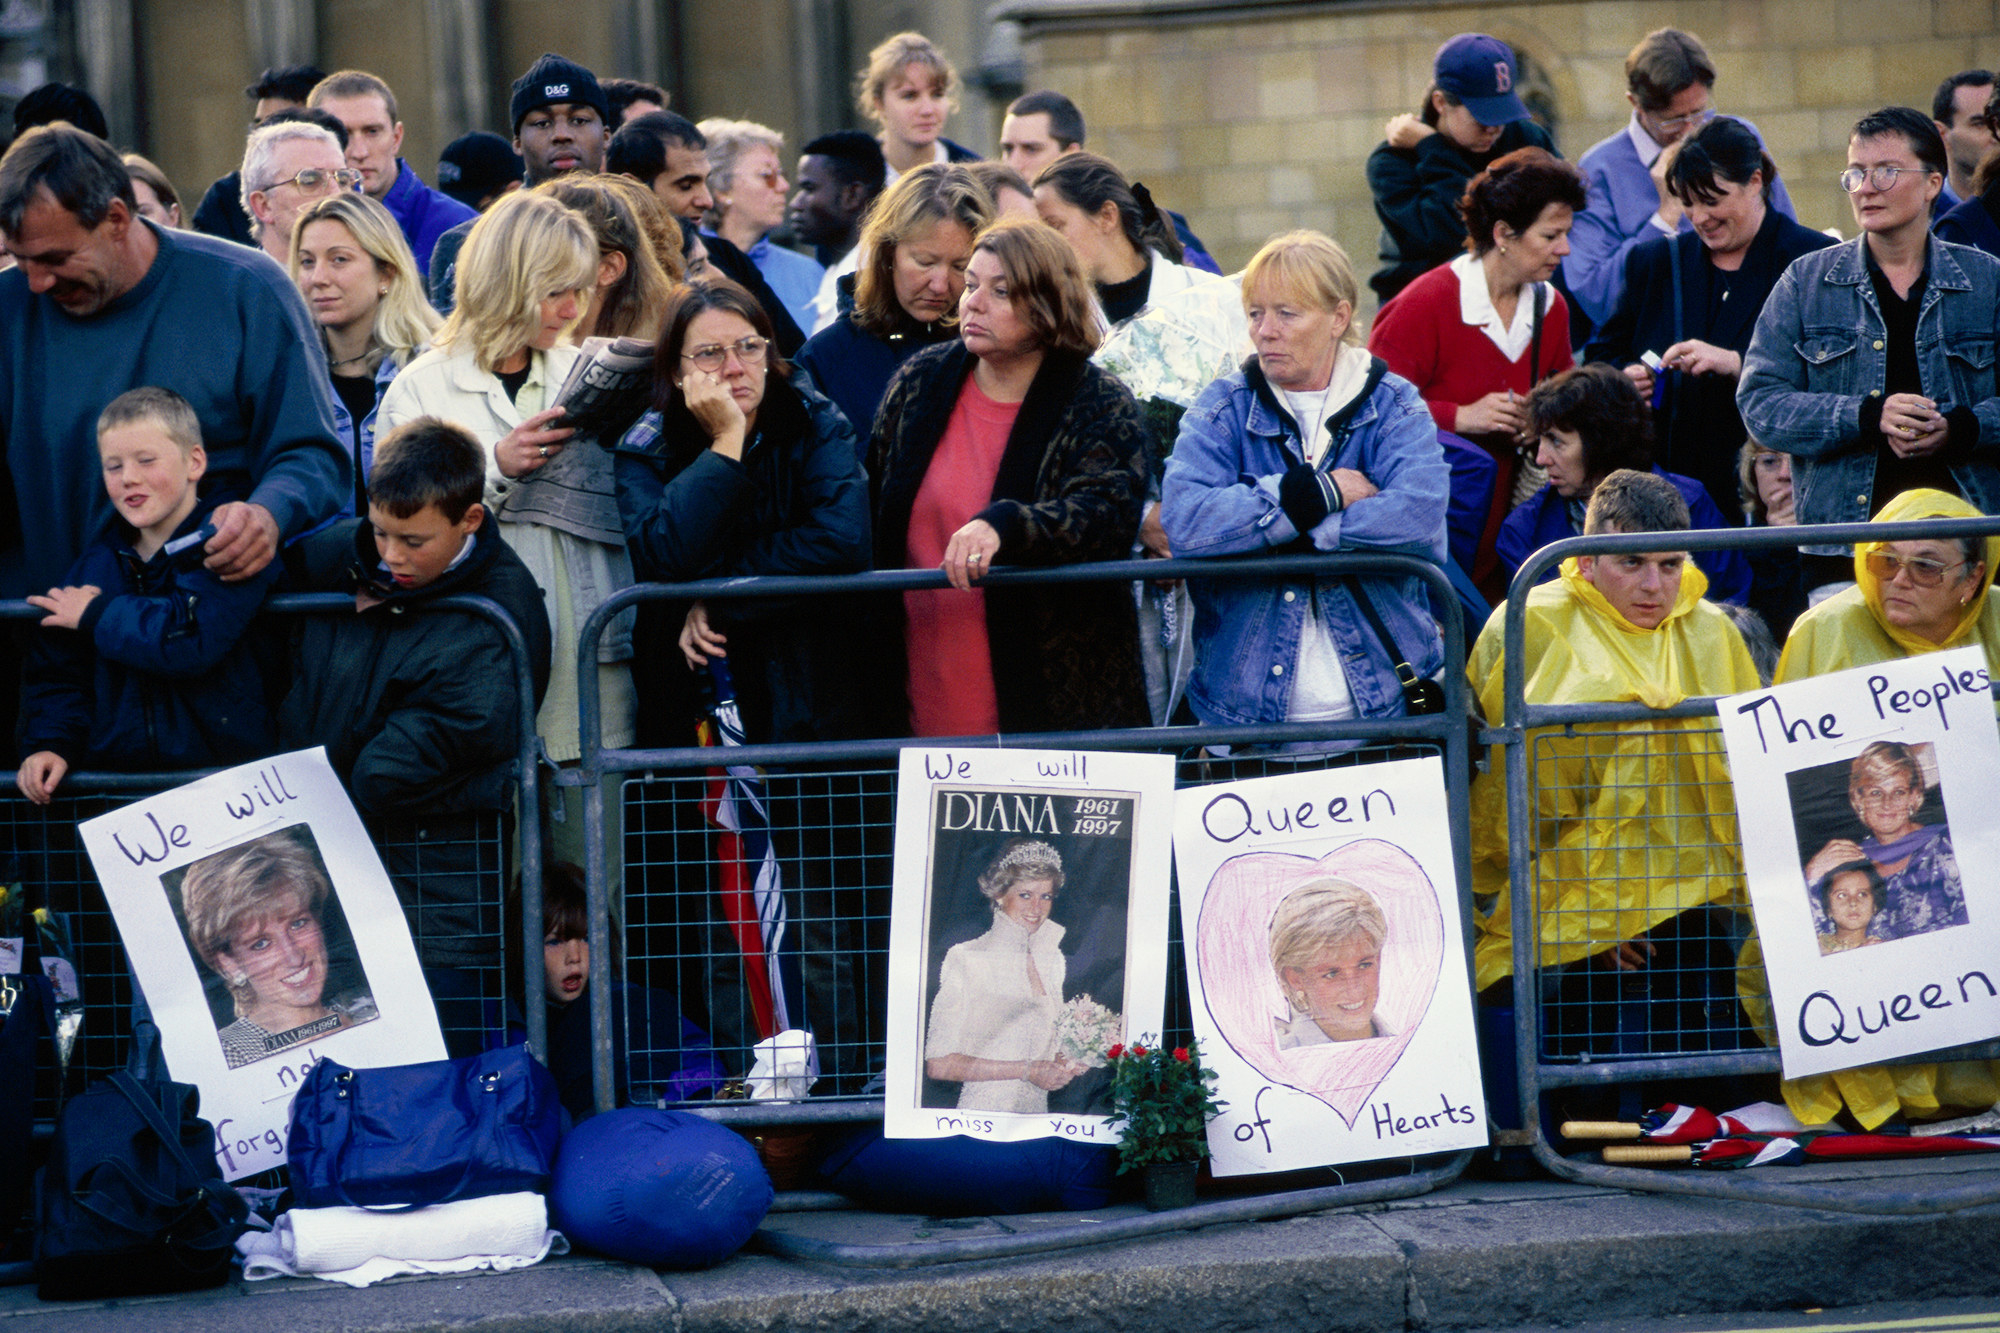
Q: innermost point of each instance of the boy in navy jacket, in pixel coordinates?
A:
(141, 664)
(416, 703)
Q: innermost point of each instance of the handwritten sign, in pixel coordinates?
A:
(1326, 960)
(1027, 935)
(1873, 878)
(264, 933)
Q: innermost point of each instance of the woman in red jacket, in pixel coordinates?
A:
(1476, 334)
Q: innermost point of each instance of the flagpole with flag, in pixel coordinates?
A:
(751, 892)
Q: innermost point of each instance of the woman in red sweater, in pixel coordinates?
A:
(1476, 334)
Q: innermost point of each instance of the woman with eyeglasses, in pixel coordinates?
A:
(747, 185)
(1909, 598)
(1871, 364)
(740, 469)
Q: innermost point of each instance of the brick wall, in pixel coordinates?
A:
(1252, 125)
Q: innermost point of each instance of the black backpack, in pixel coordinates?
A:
(131, 1202)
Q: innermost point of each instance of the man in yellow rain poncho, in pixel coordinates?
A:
(1635, 823)
(1937, 595)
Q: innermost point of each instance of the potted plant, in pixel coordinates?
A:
(1164, 1100)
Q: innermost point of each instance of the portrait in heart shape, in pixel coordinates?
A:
(1318, 971)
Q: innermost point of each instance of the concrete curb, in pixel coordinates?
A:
(1472, 1256)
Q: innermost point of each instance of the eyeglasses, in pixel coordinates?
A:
(1693, 120)
(1924, 572)
(750, 351)
(1882, 178)
(773, 179)
(312, 178)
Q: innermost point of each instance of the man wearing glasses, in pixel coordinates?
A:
(1872, 362)
(102, 301)
(286, 167)
(1670, 82)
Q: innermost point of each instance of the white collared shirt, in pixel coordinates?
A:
(1475, 307)
(1649, 152)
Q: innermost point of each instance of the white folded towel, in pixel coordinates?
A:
(359, 1246)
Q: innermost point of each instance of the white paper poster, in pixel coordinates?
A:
(1326, 960)
(265, 934)
(1028, 935)
(1872, 848)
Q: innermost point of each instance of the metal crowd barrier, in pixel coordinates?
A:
(830, 786)
(1561, 1037)
(56, 871)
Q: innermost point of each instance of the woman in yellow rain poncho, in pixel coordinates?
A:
(1910, 598)
(1635, 821)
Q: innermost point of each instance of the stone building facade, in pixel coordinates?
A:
(1251, 117)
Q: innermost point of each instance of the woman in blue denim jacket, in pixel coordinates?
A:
(1244, 479)
(1816, 380)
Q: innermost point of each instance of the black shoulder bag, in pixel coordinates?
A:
(131, 1202)
(1421, 695)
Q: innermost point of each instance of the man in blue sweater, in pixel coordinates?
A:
(102, 301)
(367, 107)
(1670, 82)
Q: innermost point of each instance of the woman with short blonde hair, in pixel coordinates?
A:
(1308, 267)
(1326, 951)
(1315, 442)
(525, 281)
(254, 918)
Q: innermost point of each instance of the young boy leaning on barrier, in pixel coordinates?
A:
(140, 664)
(417, 705)
(1637, 852)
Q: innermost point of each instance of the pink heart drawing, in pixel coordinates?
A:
(1247, 1001)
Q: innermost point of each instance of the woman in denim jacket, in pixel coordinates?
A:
(1244, 479)
(1817, 380)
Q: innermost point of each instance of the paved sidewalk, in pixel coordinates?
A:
(1474, 1255)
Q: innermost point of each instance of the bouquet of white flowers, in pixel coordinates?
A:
(1085, 1030)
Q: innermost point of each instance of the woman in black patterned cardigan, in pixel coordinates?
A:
(1008, 446)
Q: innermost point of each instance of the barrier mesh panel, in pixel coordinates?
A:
(1637, 882)
(464, 858)
(691, 926)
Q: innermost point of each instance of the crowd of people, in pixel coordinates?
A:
(332, 376)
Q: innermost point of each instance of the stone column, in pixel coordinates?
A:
(820, 68)
(462, 59)
(281, 32)
(637, 33)
(105, 39)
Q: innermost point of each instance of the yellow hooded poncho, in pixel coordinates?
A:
(1635, 823)
(1848, 631)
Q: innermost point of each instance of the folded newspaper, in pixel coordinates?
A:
(606, 390)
